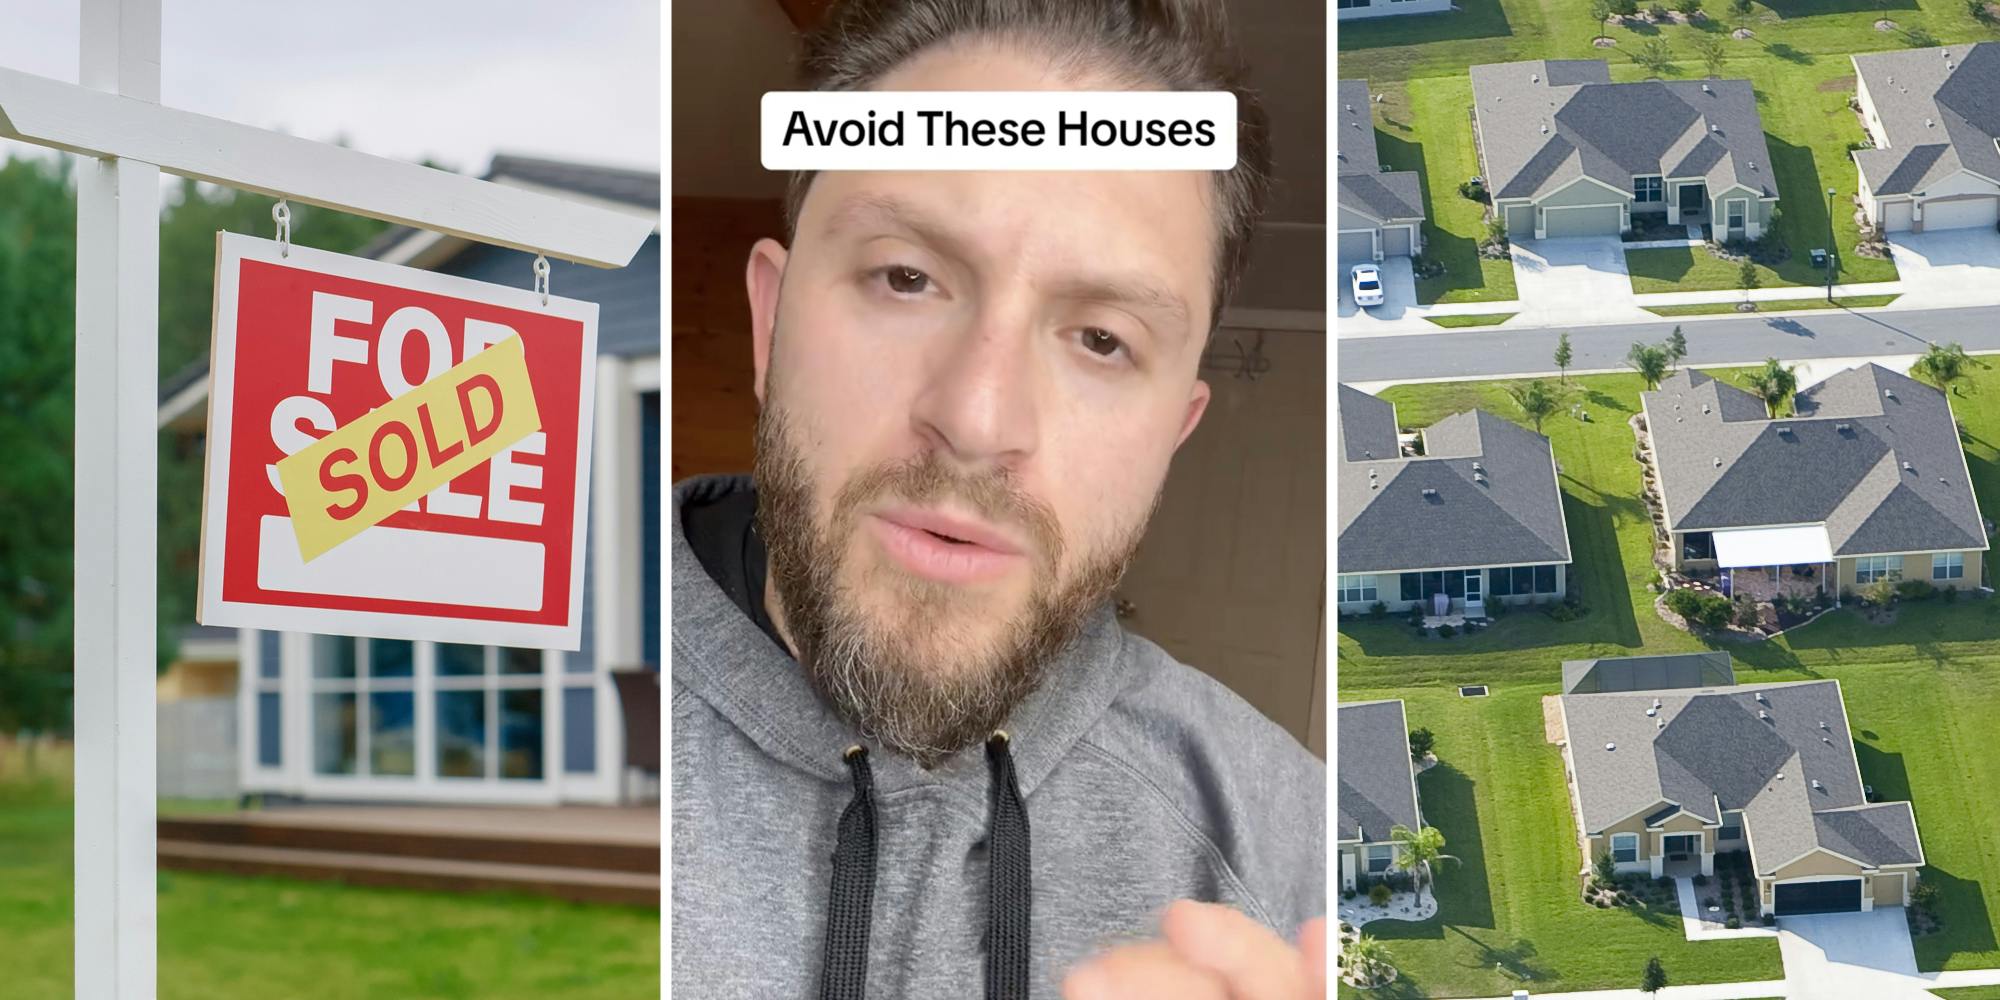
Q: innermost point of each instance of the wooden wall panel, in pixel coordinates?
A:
(715, 407)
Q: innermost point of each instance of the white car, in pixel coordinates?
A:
(1367, 280)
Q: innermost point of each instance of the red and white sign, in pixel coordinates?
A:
(309, 344)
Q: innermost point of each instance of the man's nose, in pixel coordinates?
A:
(980, 400)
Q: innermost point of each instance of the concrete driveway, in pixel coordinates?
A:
(1399, 295)
(1576, 280)
(1835, 956)
(1952, 267)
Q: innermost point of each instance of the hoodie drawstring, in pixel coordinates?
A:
(849, 909)
(850, 906)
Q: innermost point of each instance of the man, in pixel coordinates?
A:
(913, 752)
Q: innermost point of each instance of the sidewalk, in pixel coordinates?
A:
(1710, 991)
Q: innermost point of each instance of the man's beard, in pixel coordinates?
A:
(887, 675)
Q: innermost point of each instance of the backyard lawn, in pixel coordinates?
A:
(224, 937)
(1920, 694)
(1424, 127)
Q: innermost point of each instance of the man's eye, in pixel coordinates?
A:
(1101, 341)
(906, 280)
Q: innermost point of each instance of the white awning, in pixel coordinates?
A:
(1772, 546)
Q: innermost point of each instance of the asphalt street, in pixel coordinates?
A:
(1834, 333)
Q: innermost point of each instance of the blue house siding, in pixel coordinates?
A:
(628, 318)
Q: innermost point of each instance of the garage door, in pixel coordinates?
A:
(1599, 221)
(1980, 212)
(1831, 896)
(1396, 241)
(1356, 248)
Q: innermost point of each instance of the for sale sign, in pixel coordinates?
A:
(394, 452)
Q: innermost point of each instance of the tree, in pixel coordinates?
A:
(1366, 957)
(1650, 361)
(1944, 366)
(1419, 849)
(1712, 50)
(1775, 384)
(1656, 977)
(1604, 869)
(1600, 12)
(1563, 356)
(1746, 278)
(1537, 399)
(1421, 743)
(1655, 55)
(1676, 346)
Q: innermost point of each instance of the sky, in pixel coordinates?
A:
(453, 81)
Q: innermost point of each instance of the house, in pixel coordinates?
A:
(1381, 211)
(1469, 509)
(1648, 673)
(1351, 10)
(337, 718)
(1665, 780)
(1935, 121)
(1865, 482)
(1378, 789)
(1566, 152)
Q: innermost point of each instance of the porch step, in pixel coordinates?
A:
(420, 837)
(581, 885)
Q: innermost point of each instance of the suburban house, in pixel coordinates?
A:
(1378, 788)
(1464, 512)
(1865, 482)
(1350, 10)
(336, 718)
(1566, 152)
(1935, 121)
(1664, 780)
(1381, 211)
(1648, 673)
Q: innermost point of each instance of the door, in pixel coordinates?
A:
(1796, 899)
(1230, 578)
(1968, 213)
(1475, 592)
(1596, 220)
(1682, 846)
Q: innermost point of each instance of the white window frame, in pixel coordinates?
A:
(1628, 838)
(1947, 565)
(1387, 858)
(1357, 588)
(1868, 569)
(1659, 186)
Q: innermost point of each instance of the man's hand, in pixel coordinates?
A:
(1209, 952)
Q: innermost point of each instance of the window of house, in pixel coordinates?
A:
(1624, 847)
(1869, 569)
(1732, 827)
(1948, 566)
(1523, 581)
(1735, 215)
(1420, 586)
(1350, 4)
(1357, 588)
(1646, 189)
(1380, 858)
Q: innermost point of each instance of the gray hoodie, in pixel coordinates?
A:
(1144, 781)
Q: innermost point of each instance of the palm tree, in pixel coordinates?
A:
(1650, 361)
(1537, 399)
(1944, 366)
(1365, 956)
(1774, 383)
(1418, 849)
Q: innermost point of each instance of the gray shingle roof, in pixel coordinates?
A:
(1377, 784)
(1938, 113)
(1494, 499)
(1367, 426)
(1364, 186)
(1785, 761)
(1545, 123)
(1840, 461)
(1648, 673)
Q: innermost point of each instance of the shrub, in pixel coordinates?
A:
(1916, 590)
(1741, 7)
(1417, 615)
(1605, 870)
(1701, 880)
(1379, 894)
(1948, 594)
(1770, 919)
(1347, 894)
(1657, 12)
(1881, 593)
(1688, 7)
(1446, 631)
(1732, 923)
(1497, 609)
(1378, 611)
(1562, 613)
(1426, 267)
(1746, 612)
(1474, 190)
(1925, 894)
(1683, 602)
(1624, 8)
(1422, 742)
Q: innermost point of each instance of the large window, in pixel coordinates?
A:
(364, 707)
(1351, 4)
(1421, 586)
(1735, 215)
(1380, 858)
(1521, 581)
(1948, 566)
(1357, 588)
(1732, 827)
(490, 712)
(1624, 847)
(1648, 189)
(1869, 569)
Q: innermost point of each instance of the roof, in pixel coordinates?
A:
(1385, 195)
(1872, 454)
(1545, 123)
(1484, 493)
(1378, 787)
(1648, 673)
(1937, 112)
(1779, 753)
(637, 188)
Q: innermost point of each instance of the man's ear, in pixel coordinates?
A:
(1196, 406)
(762, 276)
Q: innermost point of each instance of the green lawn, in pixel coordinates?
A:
(1969, 993)
(224, 937)
(1424, 127)
(1920, 696)
(1481, 319)
(1781, 305)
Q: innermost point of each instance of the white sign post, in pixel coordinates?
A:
(124, 139)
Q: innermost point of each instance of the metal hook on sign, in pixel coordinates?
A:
(542, 277)
(281, 214)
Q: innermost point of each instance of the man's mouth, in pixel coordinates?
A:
(944, 547)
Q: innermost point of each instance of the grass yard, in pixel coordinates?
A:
(1782, 305)
(224, 937)
(1424, 127)
(1920, 695)
(1969, 993)
(1483, 319)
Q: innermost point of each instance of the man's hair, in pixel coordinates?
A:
(1147, 44)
